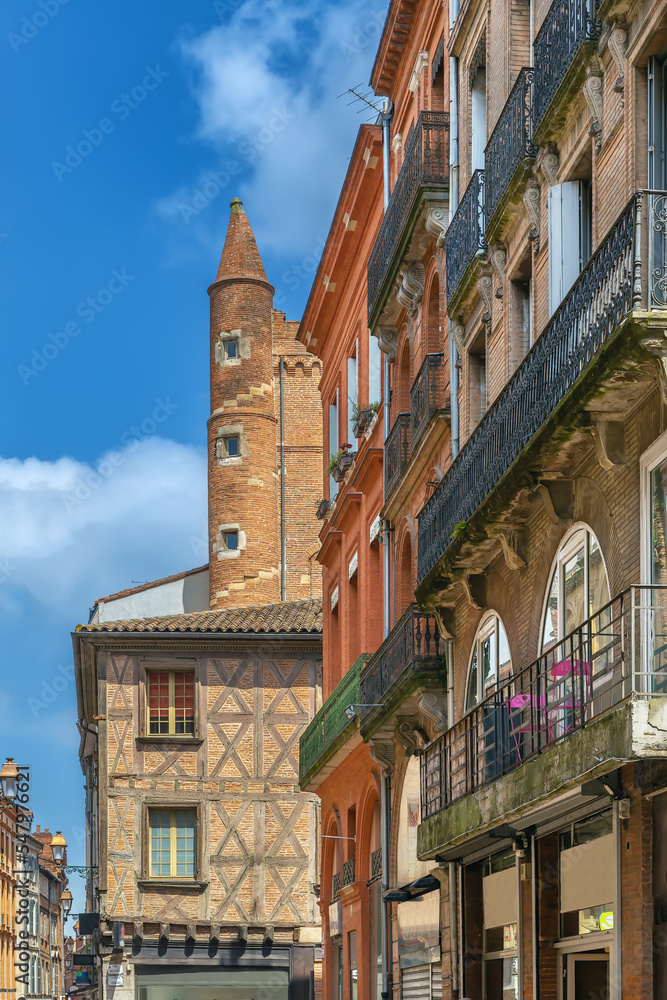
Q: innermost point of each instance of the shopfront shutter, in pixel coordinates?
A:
(422, 982)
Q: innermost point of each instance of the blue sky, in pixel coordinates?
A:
(128, 128)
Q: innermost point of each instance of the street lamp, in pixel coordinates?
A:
(9, 779)
(66, 901)
(58, 846)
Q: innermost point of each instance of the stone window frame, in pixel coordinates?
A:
(225, 432)
(223, 552)
(243, 348)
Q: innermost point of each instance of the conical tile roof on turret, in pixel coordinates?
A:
(240, 256)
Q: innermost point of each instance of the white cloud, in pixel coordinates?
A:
(267, 83)
(69, 533)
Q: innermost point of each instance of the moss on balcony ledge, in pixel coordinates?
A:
(635, 729)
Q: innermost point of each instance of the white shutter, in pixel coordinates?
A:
(333, 442)
(478, 119)
(422, 982)
(374, 369)
(567, 232)
(352, 396)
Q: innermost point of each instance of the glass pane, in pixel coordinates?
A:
(575, 605)
(232, 447)
(550, 633)
(659, 523)
(488, 654)
(158, 702)
(471, 693)
(504, 659)
(160, 839)
(185, 843)
(597, 579)
(184, 702)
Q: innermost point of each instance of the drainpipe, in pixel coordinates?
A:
(453, 203)
(385, 120)
(283, 547)
(385, 808)
(453, 886)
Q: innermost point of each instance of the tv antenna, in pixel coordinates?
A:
(376, 104)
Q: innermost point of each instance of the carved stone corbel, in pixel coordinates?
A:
(411, 289)
(458, 335)
(657, 348)
(138, 932)
(214, 935)
(382, 752)
(592, 90)
(618, 41)
(608, 430)
(445, 620)
(388, 341)
(411, 736)
(557, 496)
(485, 289)
(436, 223)
(549, 163)
(164, 932)
(474, 587)
(431, 705)
(531, 201)
(497, 258)
(191, 932)
(512, 543)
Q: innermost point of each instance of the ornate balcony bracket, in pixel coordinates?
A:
(382, 752)
(608, 431)
(431, 704)
(474, 587)
(512, 544)
(436, 223)
(458, 333)
(531, 200)
(618, 41)
(497, 258)
(656, 346)
(485, 289)
(388, 341)
(411, 289)
(411, 736)
(548, 163)
(593, 90)
(557, 498)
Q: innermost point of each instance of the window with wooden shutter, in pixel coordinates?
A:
(171, 703)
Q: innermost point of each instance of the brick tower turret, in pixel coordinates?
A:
(244, 549)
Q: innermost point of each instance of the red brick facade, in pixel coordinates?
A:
(248, 337)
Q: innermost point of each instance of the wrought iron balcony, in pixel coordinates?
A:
(412, 647)
(425, 167)
(427, 395)
(376, 865)
(396, 452)
(348, 872)
(618, 654)
(511, 142)
(464, 239)
(335, 886)
(628, 270)
(568, 25)
(319, 741)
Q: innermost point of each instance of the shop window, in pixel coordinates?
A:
(339, 971)
(490, 662)
(578, 588)
(354, 973)
(501, 909)
(172, 843)
(171, 702)
(587, 865)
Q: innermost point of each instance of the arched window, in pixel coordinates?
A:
(578, 587)
(490, 662)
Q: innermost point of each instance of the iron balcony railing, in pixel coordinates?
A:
(464, 239)
(335, 886)
(396, 452)
(412, 646)
(613, 283)
(567, 26)
(330, 722)
(427, 395)
(376, 864)
(511, 142)
(348, 872)
(618, 653)
(425, 164)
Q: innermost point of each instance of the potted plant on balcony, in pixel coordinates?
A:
(362, 417)
(340, 462)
